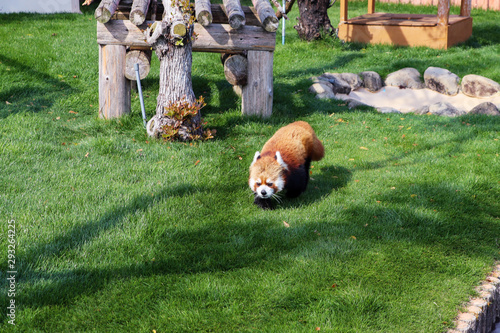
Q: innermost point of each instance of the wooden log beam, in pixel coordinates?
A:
(105, 10)
(218, 14)
(266, 15)
(141, 57)
(236, 69)
(203, 12)
(213, 38)
(139, 11)
(234, 13)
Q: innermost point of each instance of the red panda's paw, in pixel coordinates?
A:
(264, 203)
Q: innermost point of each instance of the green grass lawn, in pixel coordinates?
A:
(116, 232)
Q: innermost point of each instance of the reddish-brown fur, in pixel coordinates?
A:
(297, 143)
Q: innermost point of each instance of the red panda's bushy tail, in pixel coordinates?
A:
(318, 151)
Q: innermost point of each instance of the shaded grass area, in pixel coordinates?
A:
(117, 232)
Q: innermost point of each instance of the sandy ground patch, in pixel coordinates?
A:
(408, 100)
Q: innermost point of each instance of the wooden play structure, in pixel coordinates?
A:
(437, 31)
(228, 29)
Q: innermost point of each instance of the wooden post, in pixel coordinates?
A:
(371, 6)
(105, 10)
(465, 7)
(139, 11)
(114, 88)
(257, 95)
(443, 12)
(343, 11)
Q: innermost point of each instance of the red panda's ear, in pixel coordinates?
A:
(255, 157)
(280, 160)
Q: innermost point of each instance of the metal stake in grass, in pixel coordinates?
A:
(139, 89)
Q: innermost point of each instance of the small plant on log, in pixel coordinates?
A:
(181, 113)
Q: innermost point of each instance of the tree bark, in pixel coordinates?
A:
(173, 46)
(313, 20)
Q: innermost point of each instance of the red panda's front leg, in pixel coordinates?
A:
(264, 203)
(297, 180)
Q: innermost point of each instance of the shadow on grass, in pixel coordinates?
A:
(38, 91)
(330, 179)
(439, 216)
(484, 34)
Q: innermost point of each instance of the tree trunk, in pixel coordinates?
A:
(172, 41)
(313, 20)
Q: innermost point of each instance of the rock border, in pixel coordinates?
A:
(329, 85)
(481, 312)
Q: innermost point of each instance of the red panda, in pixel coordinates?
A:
(284, 162)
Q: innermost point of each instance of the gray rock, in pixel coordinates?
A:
(321, 87)
(405, 78)
(442, 80)
(387, 110)
(445, 109)
(371, 81)
(422, 110)
(479, 86)
(486, 108)
(353, 104)
(326, 95)
(353, 80)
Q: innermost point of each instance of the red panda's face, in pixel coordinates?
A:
(266, 177)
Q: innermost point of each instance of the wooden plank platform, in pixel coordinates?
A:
(213, 38)
(436, 31)
(406, 30)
